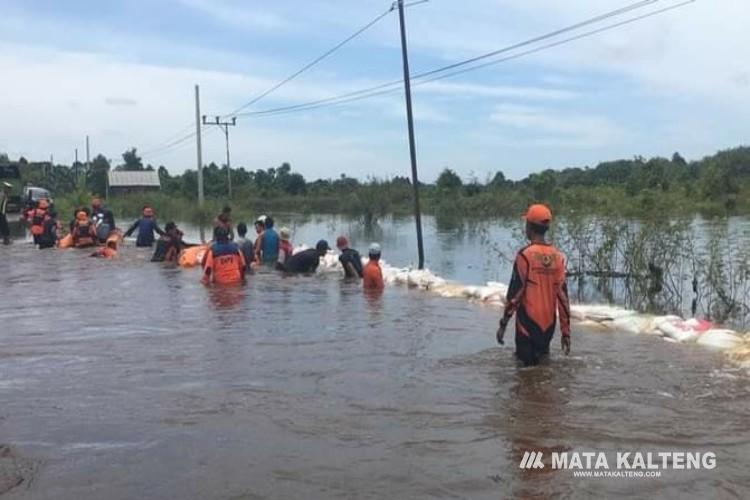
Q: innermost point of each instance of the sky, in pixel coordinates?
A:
(123, 73)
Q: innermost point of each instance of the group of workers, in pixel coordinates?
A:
(227, 259)
(537, 294)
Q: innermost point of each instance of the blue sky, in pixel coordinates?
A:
(123, 73)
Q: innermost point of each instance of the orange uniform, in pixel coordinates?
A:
(537, 293)
(372, 276)
(224, 264)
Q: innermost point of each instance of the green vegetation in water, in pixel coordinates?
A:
(716, 185)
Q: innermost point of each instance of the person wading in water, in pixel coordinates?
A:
(537, 293)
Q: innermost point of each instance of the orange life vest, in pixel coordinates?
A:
(82, 234)
(227, 268)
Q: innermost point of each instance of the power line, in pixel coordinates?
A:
(312, 63)
(388, 87)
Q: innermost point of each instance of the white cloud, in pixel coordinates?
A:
(541, 126)
(240, 14)
(459, 89)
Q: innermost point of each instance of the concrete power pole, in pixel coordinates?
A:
(88, 155)
(199, 152)
(198, 144)
(224, 126)
(410, 123)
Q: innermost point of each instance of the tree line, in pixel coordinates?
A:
(716, 183)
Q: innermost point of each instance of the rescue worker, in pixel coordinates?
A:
(103, 219)
(537, 293)
(350, 259)
(48, 238)
(268, 244)
(37, 219)
(84, 233)
(224, 263)
(169, 246)
(224, 220)
(260, 226)
(146, 226)
(307, 261)
(285, 247)
(246, 246)
(372, 275)
(4, 228)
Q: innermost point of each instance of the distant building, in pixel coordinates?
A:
(132, 181)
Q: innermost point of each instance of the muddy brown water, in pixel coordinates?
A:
(125, 380)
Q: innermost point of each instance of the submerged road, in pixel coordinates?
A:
(124, 379)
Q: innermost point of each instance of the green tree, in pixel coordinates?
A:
(449, 180)
(132, 160)
(96, 177)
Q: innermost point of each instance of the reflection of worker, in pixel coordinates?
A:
(4, 229)
(537, 292)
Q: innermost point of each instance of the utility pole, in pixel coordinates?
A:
(224, 126)
(76, 166)
(410, 122)
(88, 155)
(198, 144)
(200, 155)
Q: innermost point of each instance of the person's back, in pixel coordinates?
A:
(225, 263)
(306, 261)
(269, 248)
(247, 247)
(352, 263)
(537, 292)
(372, 275)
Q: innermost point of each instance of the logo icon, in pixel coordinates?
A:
(531, 460)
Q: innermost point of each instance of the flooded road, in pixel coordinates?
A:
(125, 379)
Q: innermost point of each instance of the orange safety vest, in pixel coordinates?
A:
(227, 268)
(538, 291)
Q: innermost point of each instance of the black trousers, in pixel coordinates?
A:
(4, 229)
(530, 349)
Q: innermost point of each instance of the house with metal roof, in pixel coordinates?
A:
(132, 181)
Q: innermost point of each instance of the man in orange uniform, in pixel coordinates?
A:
(372, 275)
(537, 292)
(224, 262)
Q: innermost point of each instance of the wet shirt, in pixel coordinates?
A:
(350, 258)
(372, 276)
(306, 261)
(247, 247)
(103, 216)
(538, 292)
(146, 226)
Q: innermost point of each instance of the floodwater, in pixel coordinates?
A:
(125, 379)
